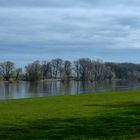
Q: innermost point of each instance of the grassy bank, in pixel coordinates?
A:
(102, 116)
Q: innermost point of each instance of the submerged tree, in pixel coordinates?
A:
(46, 70)
(18, 72)
(67, 70)
(56, 65)
(83, 68)
(7, 69)
(34, 71)
(99, 70)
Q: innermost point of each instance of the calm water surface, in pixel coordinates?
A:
(56, 88)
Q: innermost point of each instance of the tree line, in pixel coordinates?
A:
(83, 69)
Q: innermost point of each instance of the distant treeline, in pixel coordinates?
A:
(83, 69)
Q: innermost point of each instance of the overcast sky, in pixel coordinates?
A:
(69, 29)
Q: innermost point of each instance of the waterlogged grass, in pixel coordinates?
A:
(102, 116)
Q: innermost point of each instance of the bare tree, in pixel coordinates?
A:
(67, 70)
(6, 69)
(46, 70)
(56, 67)
(83, 68)
(18, 72)
(33, 71)
(99, 70)
(76, 69)
(133, 76)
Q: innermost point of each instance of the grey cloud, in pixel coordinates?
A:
(68, 26)
(48, 28)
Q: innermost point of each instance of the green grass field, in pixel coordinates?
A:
(101, 116)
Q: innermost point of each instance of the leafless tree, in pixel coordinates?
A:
(56, 65)
(46, 70)
(99, 70)
(6, 69)
(33, 71)
(67, 70)
(83, 68)
(18, 72)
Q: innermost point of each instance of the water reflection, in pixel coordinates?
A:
(56, 88)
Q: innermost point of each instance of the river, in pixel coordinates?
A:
(57, 88)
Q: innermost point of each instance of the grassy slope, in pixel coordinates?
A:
(94, 116)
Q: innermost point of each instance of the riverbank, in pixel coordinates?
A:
(114, 115)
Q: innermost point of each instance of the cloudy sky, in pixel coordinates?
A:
(69, 29)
